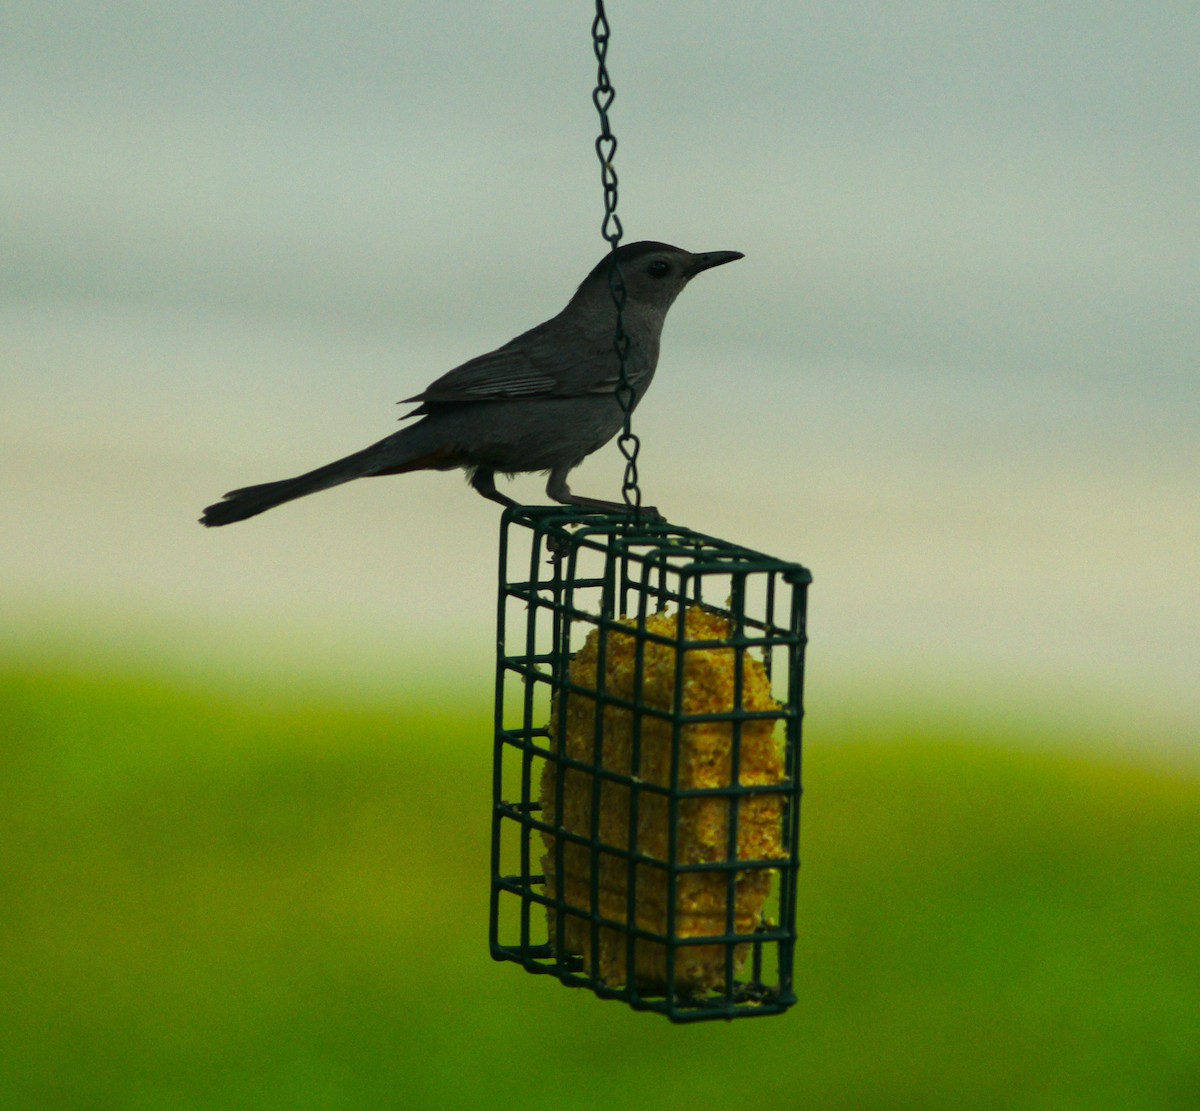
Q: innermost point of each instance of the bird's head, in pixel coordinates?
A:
(654, 274)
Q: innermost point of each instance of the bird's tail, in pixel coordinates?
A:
(386, 457)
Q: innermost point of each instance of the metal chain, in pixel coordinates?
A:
(606, 148)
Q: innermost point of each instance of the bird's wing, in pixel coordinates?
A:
(542, 362)
(497, 376)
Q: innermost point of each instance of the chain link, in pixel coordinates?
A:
(606, 149)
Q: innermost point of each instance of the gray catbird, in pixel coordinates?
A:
(542, 402)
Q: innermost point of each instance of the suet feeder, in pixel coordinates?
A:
(647, 762)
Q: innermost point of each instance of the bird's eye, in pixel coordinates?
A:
(658, 269)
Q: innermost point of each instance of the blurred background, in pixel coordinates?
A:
(244, 802)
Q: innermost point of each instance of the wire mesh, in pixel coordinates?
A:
(645, 839)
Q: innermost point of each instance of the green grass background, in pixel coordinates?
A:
(229, 900)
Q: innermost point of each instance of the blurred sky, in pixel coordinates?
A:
(956, 373)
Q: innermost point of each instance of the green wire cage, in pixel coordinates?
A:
(645, 839)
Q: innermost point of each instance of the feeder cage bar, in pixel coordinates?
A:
(646, 802)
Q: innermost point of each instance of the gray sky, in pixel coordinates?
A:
(956, 372)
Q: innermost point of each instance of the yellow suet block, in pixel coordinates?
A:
(709, 686)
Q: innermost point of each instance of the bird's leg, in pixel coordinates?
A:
(483, 481)
(558, 490)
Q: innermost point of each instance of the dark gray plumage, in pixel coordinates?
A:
(542, 402)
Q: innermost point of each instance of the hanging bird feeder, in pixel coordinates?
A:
(649, 681)
(647, 765)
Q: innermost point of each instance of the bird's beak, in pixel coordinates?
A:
(709, 259)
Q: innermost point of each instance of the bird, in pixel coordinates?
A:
(542, 402)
